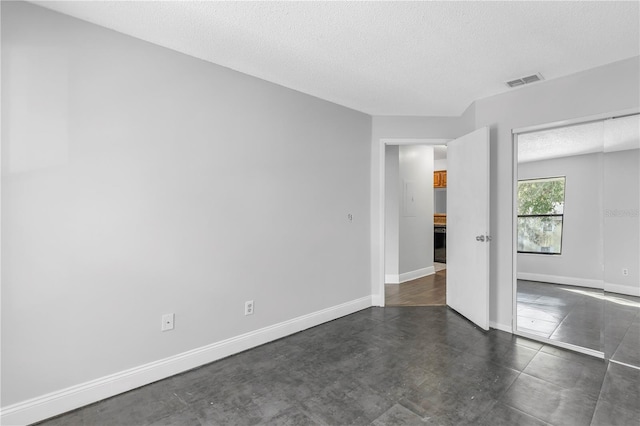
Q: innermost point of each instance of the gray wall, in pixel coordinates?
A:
(621, 223)
(581, 260)
(138, 181)
(392, 212)
(416, 226)
(408, 234)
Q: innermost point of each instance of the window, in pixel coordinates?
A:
(540, 215)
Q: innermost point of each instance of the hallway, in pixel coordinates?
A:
(426, 291)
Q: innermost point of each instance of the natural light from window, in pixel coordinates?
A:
(540, 215)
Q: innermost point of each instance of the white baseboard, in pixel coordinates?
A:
(391, 279)
(557, 279)
(58, 402)
(501, 327)
(377, 300)
(408, 276)
(622, 289)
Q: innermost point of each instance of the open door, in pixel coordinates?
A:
(468, 235)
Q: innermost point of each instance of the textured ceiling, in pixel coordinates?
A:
(601, 136)
(383, 58)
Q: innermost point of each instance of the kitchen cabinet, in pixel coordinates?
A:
(440, 179)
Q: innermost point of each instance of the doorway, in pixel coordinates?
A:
(426, 291)
(415, 228)
(467, 277)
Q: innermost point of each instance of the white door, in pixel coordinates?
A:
(468, 226)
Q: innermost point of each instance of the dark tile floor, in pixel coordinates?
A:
(622, 328)
(558, 312)
(385, 366)
(591, 318)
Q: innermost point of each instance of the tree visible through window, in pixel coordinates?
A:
(540, 215)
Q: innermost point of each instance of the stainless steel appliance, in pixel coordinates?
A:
(440, 243)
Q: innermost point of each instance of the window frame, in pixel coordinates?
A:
(561, 215)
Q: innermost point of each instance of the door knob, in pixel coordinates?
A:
(480, 238)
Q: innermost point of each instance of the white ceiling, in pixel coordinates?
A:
(619, 134)
(383, 58)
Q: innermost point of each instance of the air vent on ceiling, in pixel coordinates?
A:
(524, 80)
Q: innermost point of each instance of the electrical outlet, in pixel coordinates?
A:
(625, 272)
(167, 322)
(248, 307)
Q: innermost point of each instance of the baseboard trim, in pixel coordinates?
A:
(408, 276)
(391, 279)
(377, 300)
(560, 344)
(501, 327)
(418, 273)
(622, 289)
(58, 402)
(557, 279)
(624, 364)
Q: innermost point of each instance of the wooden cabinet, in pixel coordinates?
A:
(440, 179)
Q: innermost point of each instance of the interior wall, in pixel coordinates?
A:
(392, 213)
(138, 181)
(440, 164)
(613, 87)
(621, 223)
(423, 127)
(581, 261)
(416, 209)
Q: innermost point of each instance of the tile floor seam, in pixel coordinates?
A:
(561, 322)
(529, 415)
(529, 362)
(599, 399)
(613, 354)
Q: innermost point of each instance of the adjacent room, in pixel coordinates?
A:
(319, 213)
(415, 203)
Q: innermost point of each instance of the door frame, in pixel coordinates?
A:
(378, 276)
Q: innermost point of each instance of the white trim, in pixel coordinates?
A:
(622, 289)
(514, 231)
(574, 121)
(58, 402)
(391, 279)
(563, 345)
(558, 279)
(418, 273)
(413, 141)
(501, 327)
(376, 300)
(408, 276)
(625, 364)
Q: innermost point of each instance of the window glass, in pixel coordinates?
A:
(540, 215)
